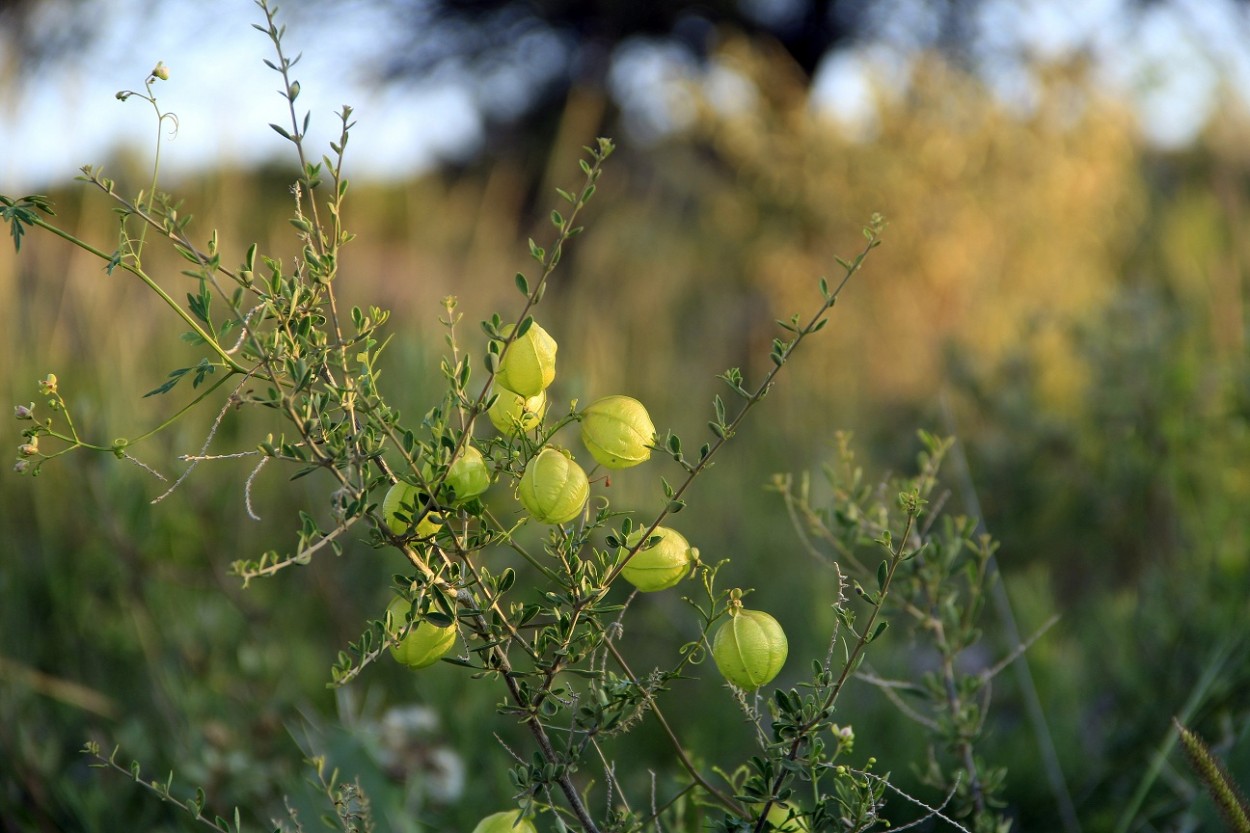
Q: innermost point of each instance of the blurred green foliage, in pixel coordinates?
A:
(1077, 302)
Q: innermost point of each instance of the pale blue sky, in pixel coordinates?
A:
(1171, 65)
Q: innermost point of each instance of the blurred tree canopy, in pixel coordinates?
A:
(527, 58)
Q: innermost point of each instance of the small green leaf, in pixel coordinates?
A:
(174, 377)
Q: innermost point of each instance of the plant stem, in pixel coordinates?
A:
(852, 662)
(686, 763)
(231, 364)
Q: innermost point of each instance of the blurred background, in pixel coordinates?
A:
(1063, 287)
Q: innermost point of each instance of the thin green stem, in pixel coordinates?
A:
(1220, 654)
(204, 395)
(229, 360)
(813, 324)
(852, 662)
(682, 756)
(137, 250)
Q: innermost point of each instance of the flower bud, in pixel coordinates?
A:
(424, 643)
(29, 449)
(160, 71)
(468, 476)
(24, 411)
(553, 488)
(21, 466)
(618, 432)
(512, 412)
(403, 503)
(750, 649)
(505, 822)
(529, 364)
(661, 566)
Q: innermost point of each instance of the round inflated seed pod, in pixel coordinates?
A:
(663, 565)
(618, 432)
(424, 643)
(528, 366)
(513, 412)
(750, 649)
(407, 500)
(505, 822)
(553, 488)
(468, 476)
(780, 819)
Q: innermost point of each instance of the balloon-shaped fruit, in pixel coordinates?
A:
(750, 648)
(424, 643)
(505, 822)
(553, 488)
(781, 819)
(661, 566)
(528, 366)
(513, 412)
(468, 475)
(403, 503)
(618, 432)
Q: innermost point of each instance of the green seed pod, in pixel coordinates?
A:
(424, 643)
(750, 649)
(505, 822)
(529, 364)
(781, 821)
(513, 412)
(468, 476)
(553, 488)
(662, 566)
(618, 432)
(406, 499)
